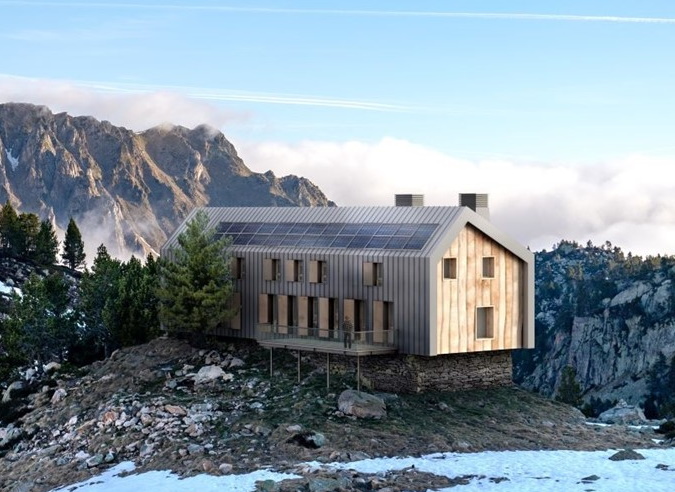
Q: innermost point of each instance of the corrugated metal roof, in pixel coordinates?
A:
(449, 219)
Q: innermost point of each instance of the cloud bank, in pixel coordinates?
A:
(629, 202)
(136, 110)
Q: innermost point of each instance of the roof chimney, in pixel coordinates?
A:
(409, 200)
(478, 202)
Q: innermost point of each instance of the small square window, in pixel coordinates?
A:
(485, 322)
(450, 268)
(489, 267)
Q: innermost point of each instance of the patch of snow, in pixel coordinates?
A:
(161, 481)
(13, 161)
(538, 471)
(598, 424)
(523, 471)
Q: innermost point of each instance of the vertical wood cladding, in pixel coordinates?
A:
(457, 299)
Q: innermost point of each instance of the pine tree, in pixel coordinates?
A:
(29, 227)
(42, 321)
(98, 289)
(195, 284)
(569, 390)
(131, 314)
(9, 230)
(46, 244)
(73, 247)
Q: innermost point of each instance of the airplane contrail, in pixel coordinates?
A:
(356, 12)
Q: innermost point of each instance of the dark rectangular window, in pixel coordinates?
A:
(488, 267)
(450, 268)
(372, 273)
(271, 269)
(485, 322)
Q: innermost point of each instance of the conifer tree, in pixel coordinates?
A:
(569, 390)
(73, 247)
(9, 230)
(195, 283)
(98, 289)
(46, 244)
(41, 320)
(29, 226)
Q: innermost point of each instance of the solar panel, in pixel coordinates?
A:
(267, 228)
(236, 227)
(369, 229)
(251, 227)
(316, 228)
(359, 242)
(333, 228)
(258, 240)
(367, 235)
(406, 229)
(388, 229)
(396, 242)
(342, 241)
(284, 228)
(351, 229)
(378, 242)
(299, 228)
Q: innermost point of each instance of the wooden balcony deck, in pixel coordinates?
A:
(323, 341)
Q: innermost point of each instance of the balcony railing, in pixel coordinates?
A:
(325, 340)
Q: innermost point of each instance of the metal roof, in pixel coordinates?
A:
(450, 221)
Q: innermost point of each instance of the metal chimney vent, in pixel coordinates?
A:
(478, 202)
(409, 200)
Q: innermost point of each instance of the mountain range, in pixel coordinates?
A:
(126, 189)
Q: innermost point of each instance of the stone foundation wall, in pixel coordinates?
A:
(415, 374)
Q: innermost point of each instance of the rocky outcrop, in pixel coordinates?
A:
(609, 316)
(125, 189)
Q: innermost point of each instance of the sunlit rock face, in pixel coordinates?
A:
(125, 189)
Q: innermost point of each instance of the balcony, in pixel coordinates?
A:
(376, 342)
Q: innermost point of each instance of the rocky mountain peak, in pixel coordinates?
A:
(125, 189)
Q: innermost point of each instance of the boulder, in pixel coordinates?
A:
(626, 454)
(52, 367)
(14, 390)
(623, 413)
(209, 373)
(309, 439)
(59, 395)
(361, 405)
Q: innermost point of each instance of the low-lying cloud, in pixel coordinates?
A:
(629, 202)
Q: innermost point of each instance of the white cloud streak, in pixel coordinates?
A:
(16, 84)
(517, 16)
(622, 201)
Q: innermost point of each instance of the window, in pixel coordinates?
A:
(295, 271)
(450, 268)
(266, 308)
(372, 273)
(318, 271)
(488, 267)
(485, 322)
(271, 269)
(238, 268)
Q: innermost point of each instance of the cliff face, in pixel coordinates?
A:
(607, 315)
(128, 190)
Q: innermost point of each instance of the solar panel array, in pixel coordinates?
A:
(328, 235)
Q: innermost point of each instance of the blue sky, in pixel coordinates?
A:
(577, 87)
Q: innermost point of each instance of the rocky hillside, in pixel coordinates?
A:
(608, 315)
(125, 189)
(166, 405)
